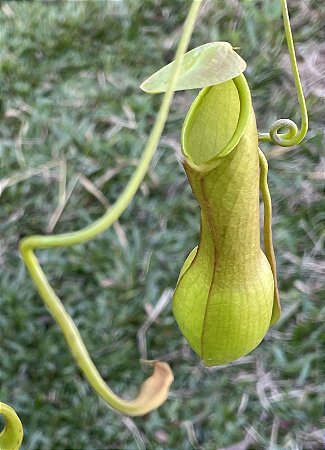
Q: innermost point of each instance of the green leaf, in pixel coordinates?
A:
(207, 65)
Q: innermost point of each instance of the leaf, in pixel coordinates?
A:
(153, 392)
(207, 65)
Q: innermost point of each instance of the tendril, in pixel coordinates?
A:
(292, 135)
(12, 434)
(155, 389)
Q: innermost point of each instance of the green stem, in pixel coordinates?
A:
(154, 391)
(292, 136)
(12, 435)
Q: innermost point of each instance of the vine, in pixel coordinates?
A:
(292, 136)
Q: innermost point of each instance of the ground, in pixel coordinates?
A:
(73, 125)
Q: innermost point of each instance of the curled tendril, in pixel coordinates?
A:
(12, 434)
(155, 389)
(293, 136)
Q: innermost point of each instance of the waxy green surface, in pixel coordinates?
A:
(224, 298)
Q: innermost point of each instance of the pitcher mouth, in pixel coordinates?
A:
(231, 123)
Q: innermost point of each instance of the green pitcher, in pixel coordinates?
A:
(224, 301)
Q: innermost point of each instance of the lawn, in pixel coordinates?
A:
(73, 125)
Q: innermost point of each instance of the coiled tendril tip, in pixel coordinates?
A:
(293, 136)
(285, 139)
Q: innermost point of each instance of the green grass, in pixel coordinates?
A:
(71, 108)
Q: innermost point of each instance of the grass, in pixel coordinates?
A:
(74, 123)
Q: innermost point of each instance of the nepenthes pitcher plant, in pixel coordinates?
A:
(226, 296)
